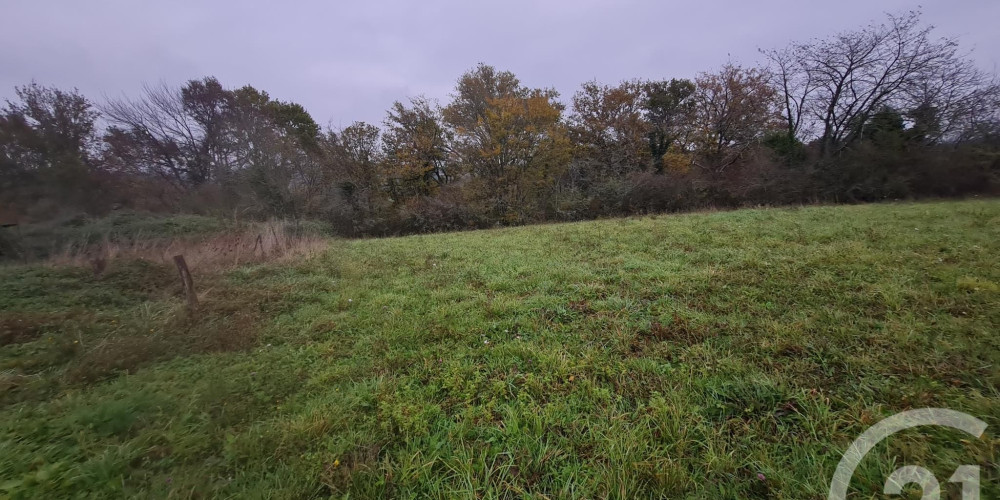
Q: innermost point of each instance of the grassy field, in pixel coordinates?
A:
(721, 355)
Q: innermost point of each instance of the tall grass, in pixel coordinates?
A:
(248, 243)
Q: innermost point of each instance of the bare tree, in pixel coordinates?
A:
(836, 85)
(795, 86)
(169, 132)
(952, 101)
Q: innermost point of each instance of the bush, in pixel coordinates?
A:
(608, 197)
(667, 192)
(448, 210)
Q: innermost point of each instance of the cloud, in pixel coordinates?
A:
(349, 61)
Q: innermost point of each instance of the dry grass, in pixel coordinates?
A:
(81, 345)
(226, 321)
(270, 241)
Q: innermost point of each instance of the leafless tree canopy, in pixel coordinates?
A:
(832, 87)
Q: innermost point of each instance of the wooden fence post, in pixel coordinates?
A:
(182, 268)
(260, 243)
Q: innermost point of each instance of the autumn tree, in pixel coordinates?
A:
(48, 144)
(355, 155)
(274, 153)
(609, 129)
(669, 106)
(510, 139)
(416, 148)
(207, 105)
(887, 110)
(263, 152)
(733, 110)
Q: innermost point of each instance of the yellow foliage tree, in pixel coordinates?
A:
(511, 141)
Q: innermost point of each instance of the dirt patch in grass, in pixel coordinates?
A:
(117, 355)
(336, 474)
(581, 306)
(227, 320)
(17, 328)
(678, 330)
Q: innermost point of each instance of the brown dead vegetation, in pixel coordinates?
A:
(256, 243)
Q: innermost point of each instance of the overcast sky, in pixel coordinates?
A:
(347, 61)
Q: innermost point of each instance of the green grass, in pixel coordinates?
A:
(672, 356)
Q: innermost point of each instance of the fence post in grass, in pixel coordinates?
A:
(258, 243)
(182, 268)
(98, 264)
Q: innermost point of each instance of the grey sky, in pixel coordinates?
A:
(347, 61)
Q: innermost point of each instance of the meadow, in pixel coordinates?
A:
(728, 355)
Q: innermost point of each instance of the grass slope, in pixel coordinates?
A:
(722, 355)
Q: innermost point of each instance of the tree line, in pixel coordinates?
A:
(884, 111)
